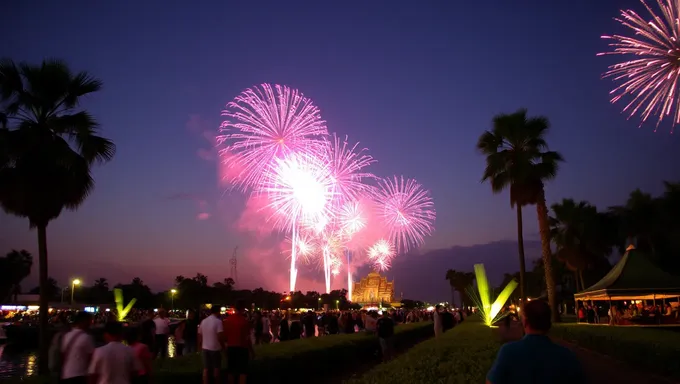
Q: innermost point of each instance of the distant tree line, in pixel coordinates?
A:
(188, 292)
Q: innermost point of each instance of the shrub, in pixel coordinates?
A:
(287, 361)
(653, 350)
(462, 355)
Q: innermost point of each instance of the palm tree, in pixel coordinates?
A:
(101, 283)
(579, 233)
(459, 281)
(14, 267)
(517, 158)
(49, 148)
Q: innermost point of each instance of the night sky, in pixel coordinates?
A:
(415, 82)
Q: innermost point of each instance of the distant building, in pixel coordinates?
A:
(373, 289)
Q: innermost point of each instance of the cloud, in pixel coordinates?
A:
(202, 205)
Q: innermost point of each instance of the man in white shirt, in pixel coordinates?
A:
(211, 339)
(114, 363)
(162, 324)
(76, 348)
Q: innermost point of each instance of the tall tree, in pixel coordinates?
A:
(14, 267)
(460, 281)
(583, 236)
(49, 148)
(517, 158)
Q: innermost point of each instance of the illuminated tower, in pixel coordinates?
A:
(234, 271)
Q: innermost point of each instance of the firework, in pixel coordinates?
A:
(347, 163)
(351, 219)
(650, 78)
(299, 188)
(304, 246)
(407, 211)
(381, 254)
(267, 123)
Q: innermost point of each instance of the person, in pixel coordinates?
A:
(162, 326)
(371, 320)
(535, 358)
(142, 354)
(179, 338)
(308, 323)
(190, 333)
(239, 345)
(77, 347)
(385, 330)
(148, 329)
(211, 338)
(437, 317)
(114, 363)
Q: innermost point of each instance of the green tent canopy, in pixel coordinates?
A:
(634, 277)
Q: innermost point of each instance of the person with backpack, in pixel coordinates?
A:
(73, 351)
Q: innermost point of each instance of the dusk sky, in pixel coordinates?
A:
(415, 82)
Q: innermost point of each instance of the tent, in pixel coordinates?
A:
(634, 277)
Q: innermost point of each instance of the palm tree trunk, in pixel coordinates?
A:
(580, 276)
(44, 300)
(576, 282)
(520, 250)
(546, 253)
(453, 296)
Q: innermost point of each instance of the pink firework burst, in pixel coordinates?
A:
(407, 210)
(300, 190)
(381, 254)
(650, 78)
(351, 218)
(304, 246)
(347, 163)
(267, 123)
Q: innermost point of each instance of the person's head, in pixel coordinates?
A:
(82, 320)
(191, 314)
(438, 308)
(215, 310)
(113, 331)
(240, 306)
(536, 317)
(162, 313)
(132, 336)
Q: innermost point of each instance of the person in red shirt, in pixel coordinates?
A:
(239, 345)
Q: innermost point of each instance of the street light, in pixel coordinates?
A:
(73, 288)
(318, 306)
(172, 298)
(337, 304)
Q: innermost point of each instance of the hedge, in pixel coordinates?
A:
(291, 361)
(652, 350)
(462, 355)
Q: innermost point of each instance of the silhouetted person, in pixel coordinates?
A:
(535, 358)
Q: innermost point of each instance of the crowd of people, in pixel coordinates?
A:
(129, 351)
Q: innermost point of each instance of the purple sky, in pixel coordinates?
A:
(416, 85)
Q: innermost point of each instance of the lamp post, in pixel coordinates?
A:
(73, 288)
(337, 304)
(172, 298)
(318, 305)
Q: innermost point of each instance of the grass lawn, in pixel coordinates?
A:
(648, 349)
(461, 355)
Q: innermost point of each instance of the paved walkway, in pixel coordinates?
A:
(604, 369)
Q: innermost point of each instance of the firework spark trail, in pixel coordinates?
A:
(381, 254)
(267, 123)
(407, 210)
(352, 220)
(347, 164)
(651, 79)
